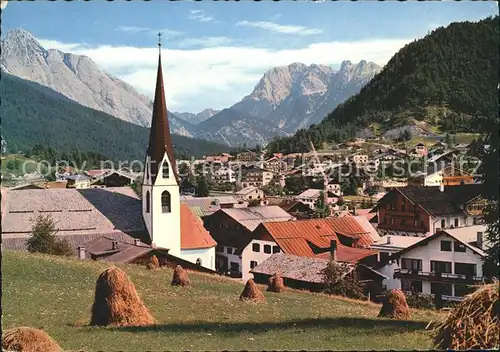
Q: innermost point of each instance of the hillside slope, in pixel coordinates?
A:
(80, 79)
(34, 114)
(56, 294)
(445, 79)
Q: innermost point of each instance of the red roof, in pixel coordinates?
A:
(366, 213)
(296, 237)
(193, 234)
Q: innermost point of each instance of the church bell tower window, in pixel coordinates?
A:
(165, 169)
(165, 202)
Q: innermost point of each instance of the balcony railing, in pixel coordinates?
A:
(434, 275)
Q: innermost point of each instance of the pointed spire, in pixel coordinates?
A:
(160, 141)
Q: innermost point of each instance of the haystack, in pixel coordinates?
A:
(252, 293)
(474, 324)
(153, 263)
(394, 306)
(276, 284)
(180, 277)
(27, 339)
(116, 301)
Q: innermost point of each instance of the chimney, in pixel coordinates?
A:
(137, 241)
(388, 239)
(333, 249)
(479, 240)
(81, 252)
(114, 245)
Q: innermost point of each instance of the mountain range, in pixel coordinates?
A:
(284, 100)
(446, 82)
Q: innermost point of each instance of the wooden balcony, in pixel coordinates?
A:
(410, 214)
(407, 228)
(433, 276)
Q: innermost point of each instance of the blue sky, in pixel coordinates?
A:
(215, 52)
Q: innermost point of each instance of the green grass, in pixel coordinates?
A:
(56, 294)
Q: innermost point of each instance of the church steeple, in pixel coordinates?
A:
(160, 141)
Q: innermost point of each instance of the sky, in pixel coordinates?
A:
(215, 52)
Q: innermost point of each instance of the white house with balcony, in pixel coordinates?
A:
(451, 258)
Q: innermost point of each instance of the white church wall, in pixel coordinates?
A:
(206, 255)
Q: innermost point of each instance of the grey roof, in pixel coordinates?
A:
(251, 217)
(78, 177)
(293, 267)
(208, 205)
(75, 211)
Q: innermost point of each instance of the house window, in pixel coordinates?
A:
(459, 247)
(391, 221)
(384, 256)
(253, 264)
(443, 223)
(165, 202)
(276, 249)
(148, 202)
(229, 250)
(413, 264)
(267, 249)
(456, 222)
(466, 269)
(446, 246)
(256, 247)
(235, 267)
(462, 290)
(198, 261)
(446, 289)
(411, 286)
(219, 249)
(403, 222)
(442, 267)
(165, 169)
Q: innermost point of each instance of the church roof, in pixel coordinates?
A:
(193, 234)
(160, 141)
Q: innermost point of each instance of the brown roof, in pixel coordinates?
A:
(299, 237)
(193, 234)
(160, 141)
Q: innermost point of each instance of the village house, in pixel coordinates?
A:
(293, 207)
(250, 193)
(224, 174)
(450, 258)
(440, 174)
(419, 151)
(255, 177)
(114, 178)
(78, 181)
(246, 156)
(306, 273)
(205, 206)
(420, 211)
(62, 173)
(232, 229)
(221, 158)
(275, 165)
(310, 238)
(310, 196)
(359, 159)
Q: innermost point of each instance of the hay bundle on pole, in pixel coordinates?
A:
(180, 277)
(116, 301)
(474, 324)
(153, 263)
(26, 339)
(276, 284)
(394, 306)
(252, 293)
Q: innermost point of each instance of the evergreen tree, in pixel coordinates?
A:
(44, 239)
(202, 189)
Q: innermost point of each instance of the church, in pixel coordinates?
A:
(113, 223)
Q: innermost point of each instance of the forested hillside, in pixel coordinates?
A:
(33, 114)
(453, 70)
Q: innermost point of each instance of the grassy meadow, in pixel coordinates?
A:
(55, 294)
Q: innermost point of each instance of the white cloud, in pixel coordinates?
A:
(200, 16)
(278, 28)
(203, 42)
(217, 77)
(168, 33)
(3, 4)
